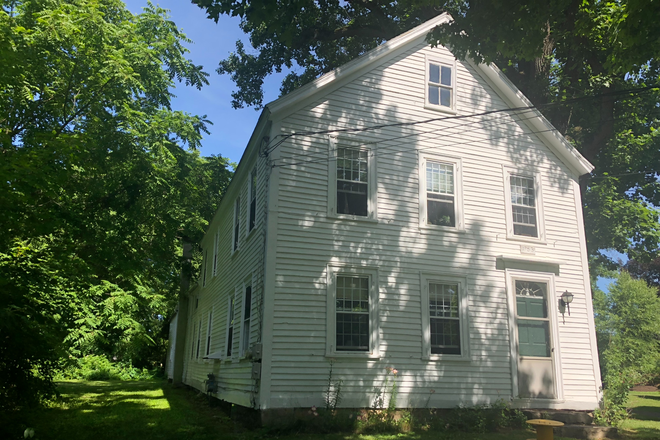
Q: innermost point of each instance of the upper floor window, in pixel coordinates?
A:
(205, 263)
(440, 192)
(252, 215)
(237, 223)
(440, 84)
(524, 207)
(352, 182)
(216, 243)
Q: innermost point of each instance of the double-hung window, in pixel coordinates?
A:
(209, 328)
(205, 262)
(199, 338)
(245, 327)
(230, 327)
(216, 243)
(252, 215)
(524, 207)
(352, 312)
(237, 224)
(352, 177)
(440, 84)
(440, 193)
(444, 318)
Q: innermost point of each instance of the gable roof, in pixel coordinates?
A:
(550, 136)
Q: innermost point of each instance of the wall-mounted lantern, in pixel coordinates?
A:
(565, 300)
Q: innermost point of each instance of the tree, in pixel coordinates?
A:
(101, 183)
(628, 334)
(649, 272)
(586, 54)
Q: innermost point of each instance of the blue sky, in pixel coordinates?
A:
(212, 42)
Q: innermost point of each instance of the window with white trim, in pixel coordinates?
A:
(524, 208)
(352, 312)
(209, 328)
(352, 178)
(229, 342)
(205, 262)
(444, 318)
(199, 338)
(252, 192)
(440, 194)
(216, 244)
(245, 327)
(237, 224)
(440, 84)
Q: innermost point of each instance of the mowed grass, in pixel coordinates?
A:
(645, 417)
(146, 410)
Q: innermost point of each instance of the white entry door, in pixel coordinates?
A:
(536, 372)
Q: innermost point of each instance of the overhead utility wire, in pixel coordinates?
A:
(326, 158)
(268, 150)
(447, 132)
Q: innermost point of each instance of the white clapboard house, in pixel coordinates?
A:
(406, 211)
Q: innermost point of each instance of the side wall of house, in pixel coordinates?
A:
(401, 252)
(234, 271)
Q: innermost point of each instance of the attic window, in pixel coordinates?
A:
(440, 84)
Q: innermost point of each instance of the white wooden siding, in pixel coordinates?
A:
(233, 376)
(307, 241)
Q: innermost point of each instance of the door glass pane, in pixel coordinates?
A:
(533, 338)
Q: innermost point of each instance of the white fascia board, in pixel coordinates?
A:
(281, 105)
(539, 124)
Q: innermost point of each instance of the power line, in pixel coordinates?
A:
(637, 90)
(377, 149)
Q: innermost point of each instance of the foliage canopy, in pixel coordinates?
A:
(101, 182)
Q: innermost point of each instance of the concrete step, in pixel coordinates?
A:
(587, 432)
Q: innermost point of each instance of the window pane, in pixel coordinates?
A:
(446, 76)
(443, 300)
(441, 212)
(445, 336)
(434, 73)
(533, 338)
(439, 177)
(352, 198)
(445, 97)
(353, 331)
(353, 294)
(434, 95)
(522, 191)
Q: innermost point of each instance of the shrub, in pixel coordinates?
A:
(94, 367)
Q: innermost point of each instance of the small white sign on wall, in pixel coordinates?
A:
(526, 249)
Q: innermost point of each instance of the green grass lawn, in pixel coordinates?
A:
(149, 410)
(645, 420)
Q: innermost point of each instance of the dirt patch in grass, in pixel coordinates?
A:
(645, 388)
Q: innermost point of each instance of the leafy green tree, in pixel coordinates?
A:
(628, 334)
(555, 52)
(100, 184)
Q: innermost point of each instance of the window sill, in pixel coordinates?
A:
(535, 358)
(446, 358)
(233, 253)
(355, 218)
(440, 108)
(352, 355)
(427, 227)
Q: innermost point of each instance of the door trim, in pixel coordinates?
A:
(549, 278)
